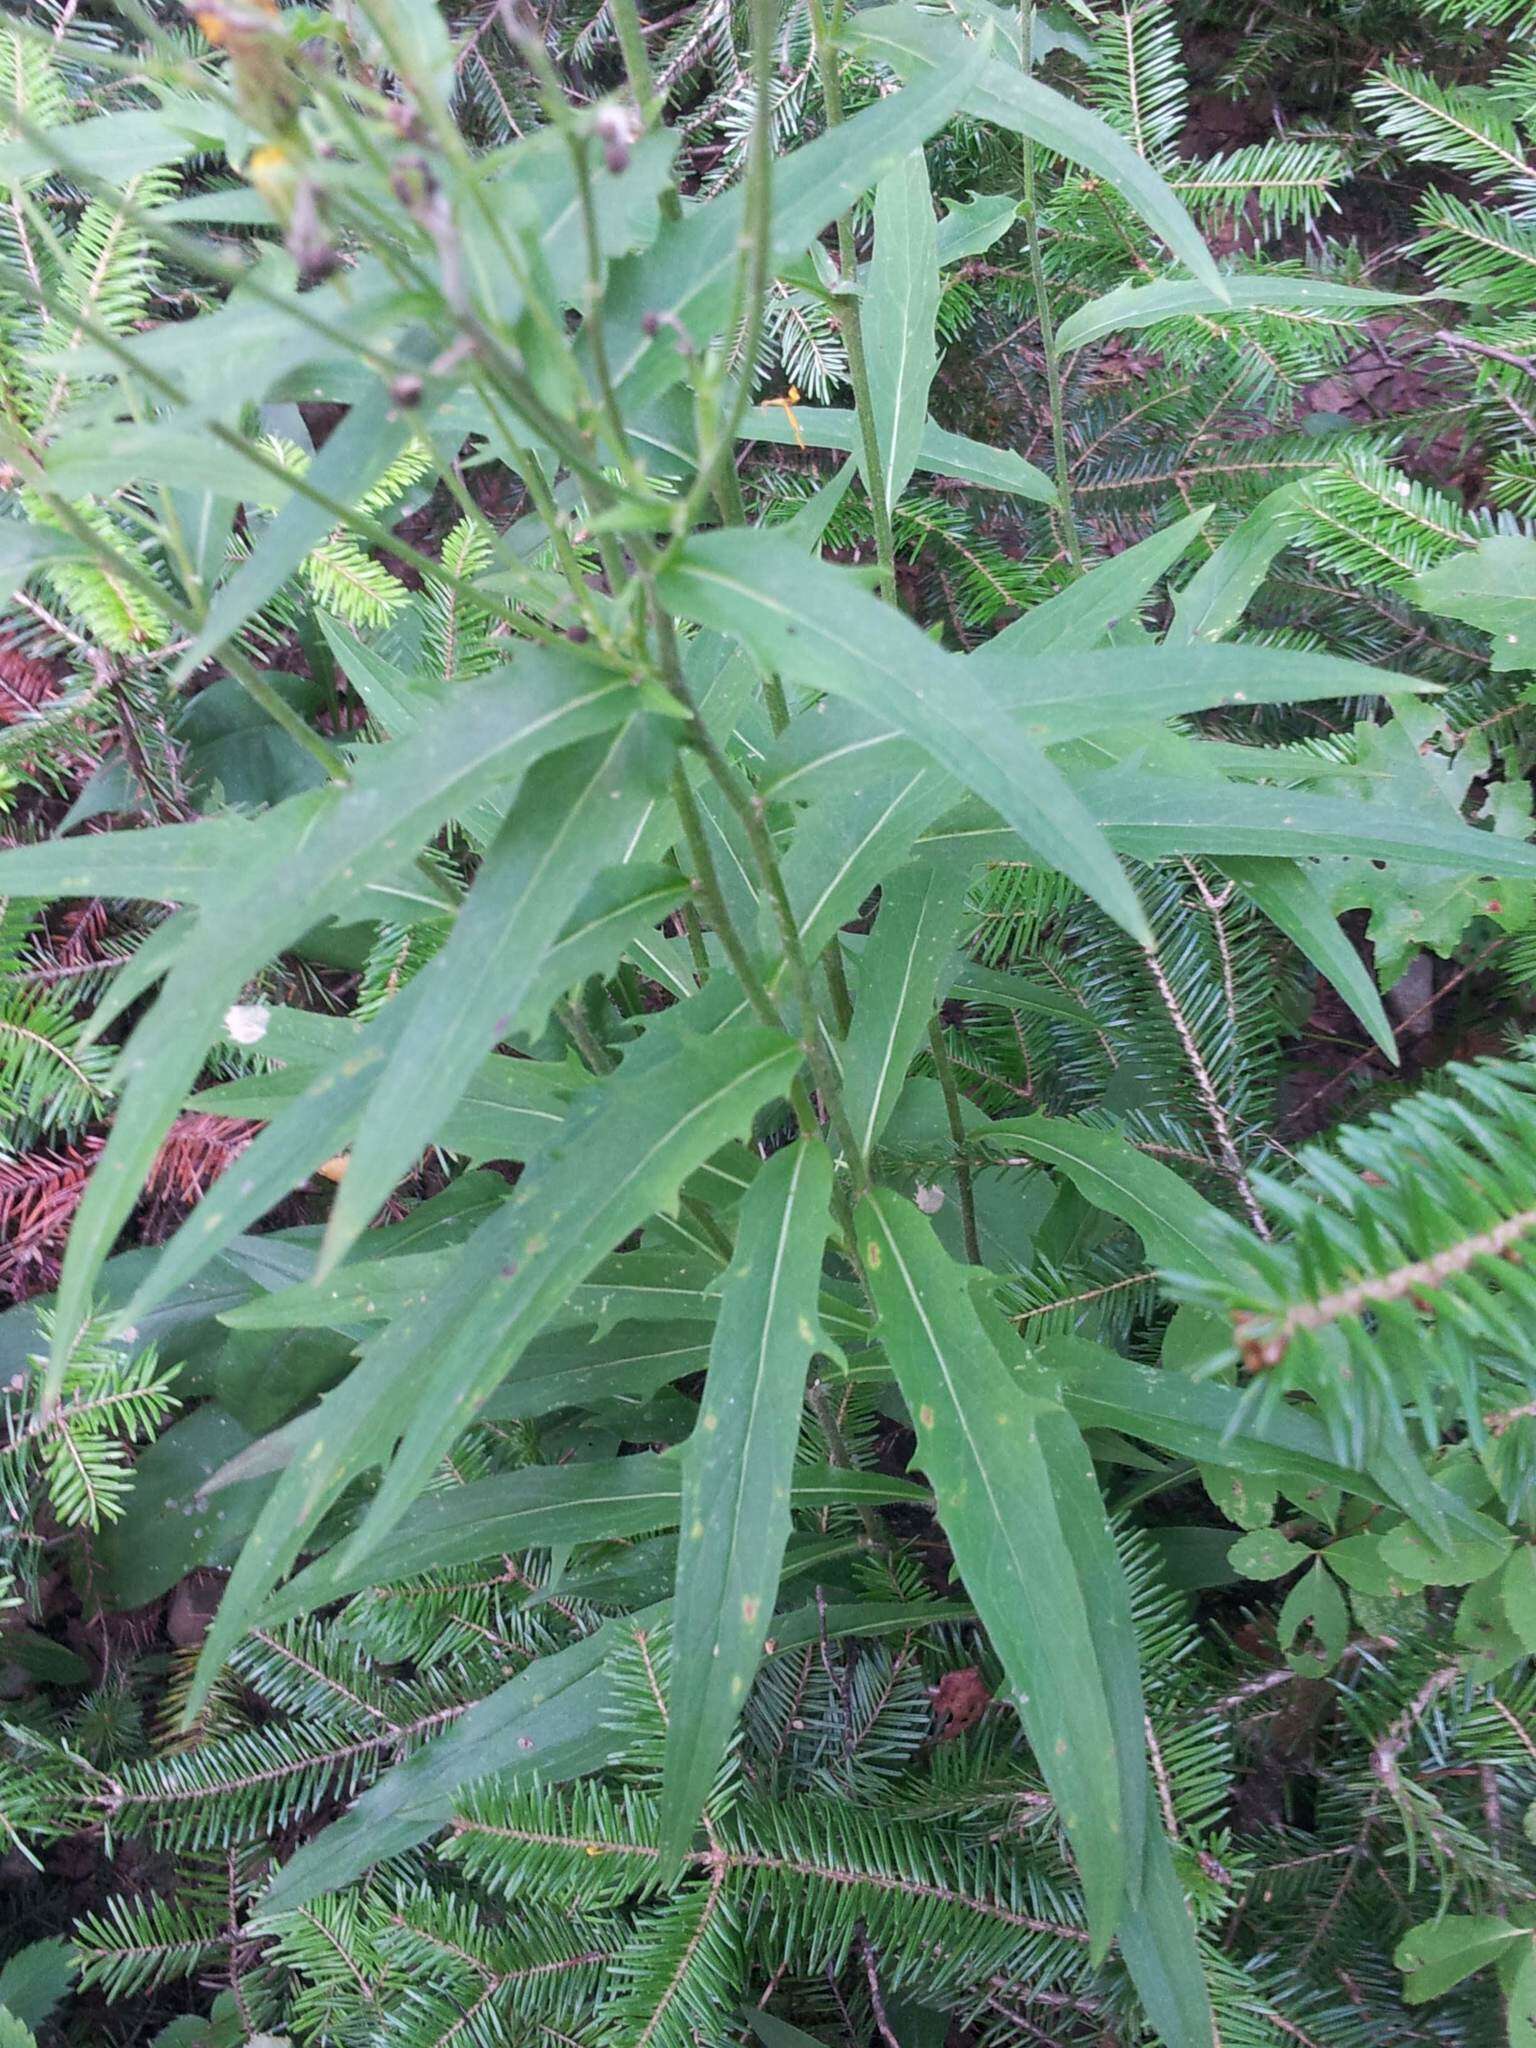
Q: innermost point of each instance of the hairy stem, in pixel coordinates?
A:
(637, 63)
(1030, 212)
(850, 318)
(706, 882)
(946, 1073)
(255, 685)
(839, 1454)
(750, 298)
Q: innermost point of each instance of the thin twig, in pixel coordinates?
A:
(1206, 1088)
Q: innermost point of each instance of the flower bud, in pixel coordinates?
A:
(616, 127)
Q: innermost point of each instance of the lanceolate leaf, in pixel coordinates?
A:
(899, 976)
(834, 749)
(358, 452)
(312, 1123)
(1017, 991)
(543, 1506)
(688, 273)
(1196, 1419)
(562, 1369)
(121, 145)
(396, 701)
(779, 2033)
(160, 864)
(901, 302)
(1212, 1424)
(1157, 1931)
(815, 623)
(343, 837)
(1083, 614)
(508, 1110)
(25, 547)
(1174, 1223)
(736, 1474)
(1131, 306)
(631, 1287)
(938, 450)
(978, 1442)
(1149, 816)
(622, 1155)
(806, 525)
(1216, 596)
(846, 845)
(573, 819)
(1106, 1596)
(1289, 897)
(915, 44)
(1157, 1941)
(551, 1721)
(1062, 697)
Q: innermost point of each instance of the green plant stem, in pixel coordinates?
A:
(775, 703)
(750, 297)
(693, 932)
(571, 444)
(733, 507)
(439, 118)
(733, 512)
(627, 25)
(601, 1061)
(804, 1108)
(850, 318)
(837, 985)
(282, 713)
(707, 1227)
(363, 524)
(508, 562)
(946, 1073)
(706, 882)
(592, 326)
(531, 470)
(255, 685)
(1030, 212)
(839, 1455)
(582, 1036)
(749, 808)
(577, 136)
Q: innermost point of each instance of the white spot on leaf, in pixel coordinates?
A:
(247, 1023)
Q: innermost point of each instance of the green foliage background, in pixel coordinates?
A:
(739, 749)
